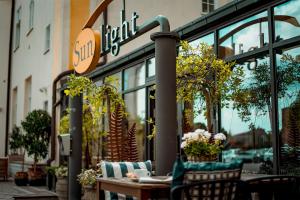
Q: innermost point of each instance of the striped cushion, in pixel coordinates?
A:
(119, 170)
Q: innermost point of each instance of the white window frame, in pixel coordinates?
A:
(47, 38)
(18, 28)
(208, 4)
(31, 16)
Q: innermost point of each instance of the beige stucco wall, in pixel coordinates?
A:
(178, 13)
(5, 18)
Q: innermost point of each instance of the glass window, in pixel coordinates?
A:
(18, 28)
(244, 36)
(208, 39)
(27, 100)
(288, 68)
(14, 106)
(134, 76)
(247, 121)
(151, 67)
(135, 103)
(47, 42)
(208, 5)
(287, 20)
(31, 14)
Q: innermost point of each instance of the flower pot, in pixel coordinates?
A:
(62, 188)
(201, 158)
(37, 178)
(21, 178)
(89, 192)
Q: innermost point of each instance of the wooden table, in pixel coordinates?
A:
(125, 186)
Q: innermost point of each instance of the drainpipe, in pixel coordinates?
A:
(9, 75)
(53, 119)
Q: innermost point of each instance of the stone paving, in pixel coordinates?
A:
(8, 190)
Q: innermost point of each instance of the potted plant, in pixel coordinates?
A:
(202, 145)
(16, 143)
(88, 179)
(201, 76)
(37, 127)
(51, 178)
(61, 187)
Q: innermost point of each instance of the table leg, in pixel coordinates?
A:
(98, 190)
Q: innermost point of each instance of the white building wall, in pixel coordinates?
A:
(178, 13)
(31, 58)
(5, 20)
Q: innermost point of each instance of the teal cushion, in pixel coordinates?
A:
(180, 168)
(119, 170)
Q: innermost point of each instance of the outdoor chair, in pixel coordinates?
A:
(277, 187)
(207, 190)
(195, 173)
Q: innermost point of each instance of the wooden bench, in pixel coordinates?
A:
(4, 168)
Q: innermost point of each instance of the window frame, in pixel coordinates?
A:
(47, 38)
(31, 17)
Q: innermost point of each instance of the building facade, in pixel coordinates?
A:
(5, 24)
(263, 39)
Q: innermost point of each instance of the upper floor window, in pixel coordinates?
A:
(47, 41)
(18, 28)
(208, 6)
(31, 14)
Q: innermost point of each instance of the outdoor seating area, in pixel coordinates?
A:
(197, 180)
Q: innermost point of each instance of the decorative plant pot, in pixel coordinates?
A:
(62, 188)
(37, 178)
(21, 178)
(90, 192)
(200, 158)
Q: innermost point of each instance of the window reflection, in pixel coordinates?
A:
(244, 36)
(288, 67)
(208, 39)
(134, 76)
(151, 67)
(247, 121)
(135, 103)
(287, 18)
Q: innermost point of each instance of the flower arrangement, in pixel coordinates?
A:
(61, 171)
(201, 143)
(88, 177)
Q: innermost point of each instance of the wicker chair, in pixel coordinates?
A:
(276, 187)
(225, 189)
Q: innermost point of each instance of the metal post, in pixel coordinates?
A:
(165, 101)
(75, 150)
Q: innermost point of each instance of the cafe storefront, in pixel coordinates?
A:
(263, 38)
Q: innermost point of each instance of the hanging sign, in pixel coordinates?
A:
(86, 52)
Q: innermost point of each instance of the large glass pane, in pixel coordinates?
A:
(287, 19)
(208, 39)
(151, 67)
(244, 36)
(288, 73)
(134, 76)
(135, 103)
(247, 121)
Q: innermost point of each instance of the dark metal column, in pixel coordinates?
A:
(76, 152)
(165, 101)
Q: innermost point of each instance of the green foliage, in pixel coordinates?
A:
(16, 141)
(256, 95)
(64, 124)
(197, 148)
(201, 75)
(37, 126)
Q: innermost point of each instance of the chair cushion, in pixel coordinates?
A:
(119, 170)
(187, 172)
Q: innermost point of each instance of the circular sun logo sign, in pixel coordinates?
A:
(86, 51)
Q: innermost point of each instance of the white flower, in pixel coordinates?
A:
(183, 144)
(206, 134)
(186, 136)
(219, 136)
(199, 131)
